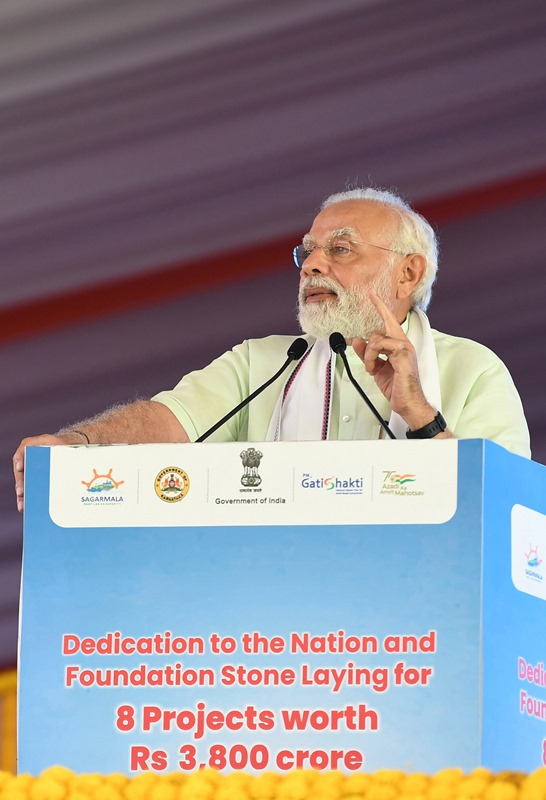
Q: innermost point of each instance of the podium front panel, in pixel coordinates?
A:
(305, 604)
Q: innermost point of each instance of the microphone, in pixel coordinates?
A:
(294, 353)
(339, 345)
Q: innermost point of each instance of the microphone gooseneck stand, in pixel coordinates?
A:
(294, 353)
(339, 345)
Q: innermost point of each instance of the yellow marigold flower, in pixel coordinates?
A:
(357, 783)
(324, 789)
(233, 786)
(440, 790)
(15, 787)
(264, 786)
(332, 777)
(77, 795)
(482, 772)
(450, 776)
(198, 786)
(380, 790)
(473, 786)
(294, 786)
(511, 776)
(210, 777)
(17, 783)
(308, 775)
(293, 792)
(200, 792)
(163, 791)
(140, 786)
(412, 796)
(501, 790)
(86, 783)
(106, 792)
(47, 789)
(58, 773)
(320, 791)
(390, 776)
(117, 779)
(231, 793)
(415, 784)
(534, 785)
(327, 785)
(175, 778)
(530, 792)
(14, 794)
(237, 778)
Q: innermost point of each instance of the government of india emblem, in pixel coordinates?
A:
(251, 461)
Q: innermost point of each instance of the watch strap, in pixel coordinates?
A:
(438, 425)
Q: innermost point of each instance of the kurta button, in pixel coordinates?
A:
(346, 418)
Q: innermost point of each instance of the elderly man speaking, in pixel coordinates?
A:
(367, 268)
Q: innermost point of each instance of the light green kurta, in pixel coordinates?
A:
(479, 399)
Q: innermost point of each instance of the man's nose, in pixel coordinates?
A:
(316, 262)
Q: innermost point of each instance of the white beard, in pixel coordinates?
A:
(353, 314)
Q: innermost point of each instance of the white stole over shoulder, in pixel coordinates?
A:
(303, 410)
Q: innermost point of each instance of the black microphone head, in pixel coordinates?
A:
(337, 342)
(297, 349)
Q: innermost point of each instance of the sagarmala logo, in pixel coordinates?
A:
(533, 570)
(172, 484)
(399, 483)
(102, 488)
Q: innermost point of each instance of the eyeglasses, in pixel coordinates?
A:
(338, 250)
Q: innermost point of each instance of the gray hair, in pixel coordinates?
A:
(414, 235)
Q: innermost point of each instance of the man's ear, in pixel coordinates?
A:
(411, 272)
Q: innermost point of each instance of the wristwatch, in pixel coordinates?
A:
(437, 425)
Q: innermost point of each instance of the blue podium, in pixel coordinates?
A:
(338, 605)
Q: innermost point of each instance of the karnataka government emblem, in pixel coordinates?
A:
(251, 461)
(172, 484)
